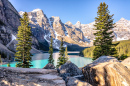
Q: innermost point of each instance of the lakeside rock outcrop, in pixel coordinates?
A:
(106, 71)
(69, 69)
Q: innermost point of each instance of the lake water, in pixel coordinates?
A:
(40, 60)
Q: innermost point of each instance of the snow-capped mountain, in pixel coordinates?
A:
(78, 34)
(43, 28)
(122, 29)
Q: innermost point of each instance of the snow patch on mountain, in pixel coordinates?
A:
(57, 35)
(30, 17)
(21, 13)
(86, 39)
(45, 37)
(121, 39)
(35, 10)
(13, 38)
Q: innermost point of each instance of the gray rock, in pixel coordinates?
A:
(49, 66)
(29, 77)
(69, 69)
(72, 81)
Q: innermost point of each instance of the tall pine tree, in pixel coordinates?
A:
(51, 60)
(0, 60)
(66, 54)
(103, 40)
(61, 59)
(23, 55)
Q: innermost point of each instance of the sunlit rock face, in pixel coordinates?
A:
(126, 62)
(79, 34)
(43, 28)
(106, 71)
(122, 29)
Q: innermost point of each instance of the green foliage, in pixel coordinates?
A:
(0, 60)
(61, 60)
(103, 40)
(23, 55)
(51, 60)
(122, 57)
(8, 65)
(122, 48)
(66, 54)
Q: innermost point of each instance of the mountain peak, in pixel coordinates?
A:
(68, 23)
(122, 18)
(78, 23)
(55, 18)
(21, 13)
(35, 10)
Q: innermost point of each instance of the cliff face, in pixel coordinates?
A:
(9, 22)
(9, 16)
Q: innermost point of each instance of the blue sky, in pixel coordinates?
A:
(75, 10)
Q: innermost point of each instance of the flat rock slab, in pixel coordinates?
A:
(30, 70)
(49, 77)
(29, 77)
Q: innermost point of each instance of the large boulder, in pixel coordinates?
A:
(126, 62)
(49, 66)
(72, 81)
(69, 69)
(106, 71)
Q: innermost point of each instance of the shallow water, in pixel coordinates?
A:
(40, 60)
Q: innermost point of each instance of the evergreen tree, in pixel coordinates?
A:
(103, 41)
(23, 55)
(8, 65)
(66, 54)
(61, 59)
(51, 60)
(0, 60)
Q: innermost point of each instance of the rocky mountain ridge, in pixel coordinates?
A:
(78, 34)
(75, 36)
(9, 22)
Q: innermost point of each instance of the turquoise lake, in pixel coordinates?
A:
(40, 60)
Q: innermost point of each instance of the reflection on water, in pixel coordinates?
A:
(40, 60)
